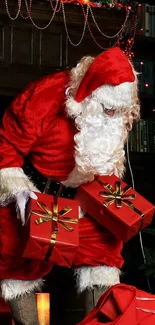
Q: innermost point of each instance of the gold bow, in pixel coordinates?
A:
(56, 217)
(118, 196)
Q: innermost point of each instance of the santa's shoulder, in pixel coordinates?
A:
(41, 97)
(49, 93)
(54, 82)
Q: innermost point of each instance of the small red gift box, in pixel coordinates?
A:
(116, 206)
(51, 231)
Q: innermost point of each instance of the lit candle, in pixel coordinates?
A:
(43, 306)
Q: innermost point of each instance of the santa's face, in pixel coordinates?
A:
(99, 143)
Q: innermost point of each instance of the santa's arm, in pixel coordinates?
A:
(17, 134)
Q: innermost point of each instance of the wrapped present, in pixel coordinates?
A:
(116, 206)
(51, 231)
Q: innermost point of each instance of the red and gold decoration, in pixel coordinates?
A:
(51, 232)
(120, 5)
(116, 206)
(130, 22)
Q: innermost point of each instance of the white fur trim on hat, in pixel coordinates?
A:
(122, 96)
(112, 97)
(72, 107)
(87, 277)
(12, 289)
(12, 181)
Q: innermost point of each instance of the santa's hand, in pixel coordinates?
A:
(21, 200)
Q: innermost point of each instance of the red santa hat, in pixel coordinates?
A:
(109, 68)
(112, 71)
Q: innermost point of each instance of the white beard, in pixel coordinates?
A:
(99, 144)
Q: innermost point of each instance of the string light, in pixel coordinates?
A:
(127, 41)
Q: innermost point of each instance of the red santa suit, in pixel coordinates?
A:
(44, 123)
(123, 305)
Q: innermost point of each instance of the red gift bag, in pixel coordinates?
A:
(123, 305)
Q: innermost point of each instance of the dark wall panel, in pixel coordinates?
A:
(21, 45)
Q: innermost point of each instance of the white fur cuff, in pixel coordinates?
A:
(12, 181)
(12, 289)
(101, 276)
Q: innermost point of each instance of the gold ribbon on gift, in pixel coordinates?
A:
(56, 217)
(118, 196)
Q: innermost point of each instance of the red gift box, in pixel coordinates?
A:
(116, 206)
(51, 231)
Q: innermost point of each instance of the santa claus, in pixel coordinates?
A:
(72, 125)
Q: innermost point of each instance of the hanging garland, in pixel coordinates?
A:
(123, 38)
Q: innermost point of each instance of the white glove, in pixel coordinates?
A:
(21, 200)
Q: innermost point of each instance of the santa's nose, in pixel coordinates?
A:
(110, 112)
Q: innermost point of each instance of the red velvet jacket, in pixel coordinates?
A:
(36, 124)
